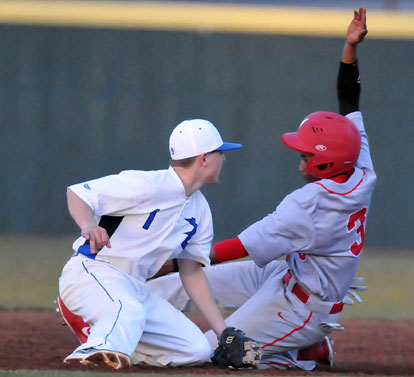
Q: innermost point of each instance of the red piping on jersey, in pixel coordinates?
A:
(290, 333)
(339, 193)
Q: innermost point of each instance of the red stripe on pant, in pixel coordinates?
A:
(290, 333)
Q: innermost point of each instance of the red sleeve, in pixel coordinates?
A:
(229, 250)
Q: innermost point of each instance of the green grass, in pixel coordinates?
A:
(30, 268)
(389, 277)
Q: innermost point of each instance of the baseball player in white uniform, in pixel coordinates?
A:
(131, 223)
(290, 306)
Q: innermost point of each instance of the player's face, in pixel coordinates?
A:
(302, 168)
(214, 162)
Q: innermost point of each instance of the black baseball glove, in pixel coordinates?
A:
(235, 350)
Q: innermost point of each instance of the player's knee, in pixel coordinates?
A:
(131, 309)
(193, 352)
(201, 351)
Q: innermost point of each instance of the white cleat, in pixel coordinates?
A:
(96, 357)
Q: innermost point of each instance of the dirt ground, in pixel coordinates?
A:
(38, 340)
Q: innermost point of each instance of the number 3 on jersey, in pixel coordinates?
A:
(357, 219)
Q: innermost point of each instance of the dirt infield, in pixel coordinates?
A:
(37, 340)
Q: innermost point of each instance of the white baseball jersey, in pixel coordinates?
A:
(149, 219)
(320, 227)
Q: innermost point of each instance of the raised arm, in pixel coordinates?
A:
(348, 85)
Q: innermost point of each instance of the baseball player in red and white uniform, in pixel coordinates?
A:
(131, 223)
(290, 306)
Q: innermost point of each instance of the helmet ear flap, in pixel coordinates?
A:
(311, 167)
(318, 170)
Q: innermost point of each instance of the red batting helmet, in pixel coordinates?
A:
(332, 139)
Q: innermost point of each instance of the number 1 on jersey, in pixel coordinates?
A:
(150, 219)
(356, 247)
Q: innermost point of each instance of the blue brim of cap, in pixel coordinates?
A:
(228, 146)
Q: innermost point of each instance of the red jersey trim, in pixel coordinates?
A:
(290, 333)
(343, 178)
(340, 193)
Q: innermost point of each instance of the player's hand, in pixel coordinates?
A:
(357, 30)
(97, 237)
(352, 291)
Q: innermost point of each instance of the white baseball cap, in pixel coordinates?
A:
(193, 137)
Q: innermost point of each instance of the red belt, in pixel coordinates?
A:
(303, 296)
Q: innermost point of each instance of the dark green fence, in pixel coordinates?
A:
(80, 103)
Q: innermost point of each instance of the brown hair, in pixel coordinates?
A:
(183, 163)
